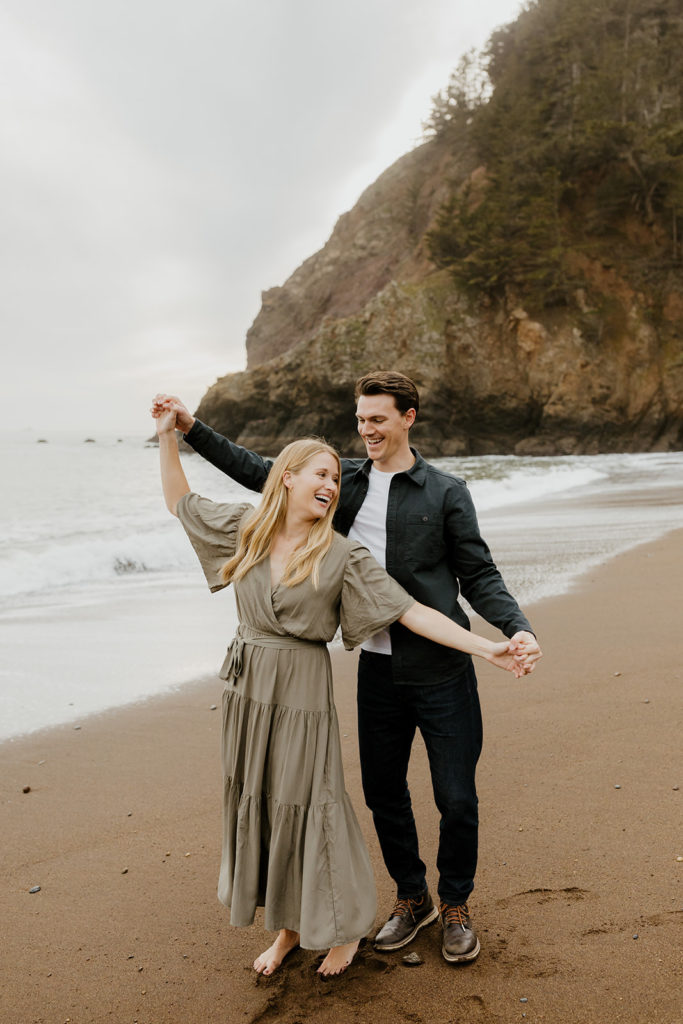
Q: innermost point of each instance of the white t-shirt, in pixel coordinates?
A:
(370, 528)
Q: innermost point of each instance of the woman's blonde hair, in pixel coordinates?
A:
(258, 533)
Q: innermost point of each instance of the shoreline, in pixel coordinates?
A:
(547, 557)
(580, 807)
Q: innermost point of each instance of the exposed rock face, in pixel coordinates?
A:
(597, 377)
(380, 240)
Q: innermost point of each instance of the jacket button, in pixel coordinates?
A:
(425, 519)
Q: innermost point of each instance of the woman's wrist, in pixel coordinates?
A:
(484, 648)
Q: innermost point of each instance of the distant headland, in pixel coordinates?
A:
(524, 265)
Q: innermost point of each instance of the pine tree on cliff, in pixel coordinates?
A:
(576, 113)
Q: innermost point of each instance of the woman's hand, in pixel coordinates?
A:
(526, 643)
(165, 403)
(165, 419)
(511, 656)
(173, 479)
(517, 655)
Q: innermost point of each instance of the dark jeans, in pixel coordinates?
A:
(449, 717)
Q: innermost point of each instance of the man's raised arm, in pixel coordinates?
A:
(245, 467)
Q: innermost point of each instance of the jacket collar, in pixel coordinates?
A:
(417, 473)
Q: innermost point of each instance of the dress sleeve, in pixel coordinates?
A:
(213, 529)
(370, 600)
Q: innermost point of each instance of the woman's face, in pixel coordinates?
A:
(313, 489)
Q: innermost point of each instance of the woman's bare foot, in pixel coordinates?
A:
(338, 959)
(269, 961)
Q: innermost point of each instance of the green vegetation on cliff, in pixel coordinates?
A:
(574, 113)
(523, 265)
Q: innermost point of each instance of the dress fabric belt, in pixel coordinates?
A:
(231, 668)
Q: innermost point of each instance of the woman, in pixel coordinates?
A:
(291, 841)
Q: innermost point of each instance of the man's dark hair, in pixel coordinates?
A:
(388, 382)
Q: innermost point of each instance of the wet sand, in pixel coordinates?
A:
(578, 891)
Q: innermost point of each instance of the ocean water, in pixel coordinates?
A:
(102, 601)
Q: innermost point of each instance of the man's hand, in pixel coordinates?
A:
(527, 644)
(171, 403)
(511, 657)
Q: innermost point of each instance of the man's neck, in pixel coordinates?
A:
(398, 463)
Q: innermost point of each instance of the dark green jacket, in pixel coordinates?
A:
(434, 548)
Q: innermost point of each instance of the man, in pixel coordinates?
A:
(420, 523)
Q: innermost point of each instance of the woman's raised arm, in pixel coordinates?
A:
(173, 479)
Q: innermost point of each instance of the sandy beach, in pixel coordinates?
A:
(578, 891)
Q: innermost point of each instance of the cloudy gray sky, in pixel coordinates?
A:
(162, 163)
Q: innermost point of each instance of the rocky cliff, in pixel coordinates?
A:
(604, 373)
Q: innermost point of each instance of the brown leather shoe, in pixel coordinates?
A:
(460, 943)
(405, 921)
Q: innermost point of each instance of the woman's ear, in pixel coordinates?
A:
(287, 479)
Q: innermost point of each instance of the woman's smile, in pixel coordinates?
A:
(315, 487)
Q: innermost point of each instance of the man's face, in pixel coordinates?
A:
(383, 428)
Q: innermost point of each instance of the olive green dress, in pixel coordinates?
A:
(291, 841)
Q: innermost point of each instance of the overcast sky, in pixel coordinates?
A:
(163, 163)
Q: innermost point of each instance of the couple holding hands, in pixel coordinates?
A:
(382, 547)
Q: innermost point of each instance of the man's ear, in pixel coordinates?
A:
(410, 415)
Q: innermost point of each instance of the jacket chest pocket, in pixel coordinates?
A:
(424, 541)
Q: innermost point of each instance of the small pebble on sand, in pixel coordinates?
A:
(524, 999)
(412, 960)
(36, 888)
(617, 786)
(635, 936)
(124, 871)
(26, 789)
(617, 673)
(213, 707)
